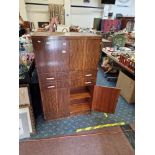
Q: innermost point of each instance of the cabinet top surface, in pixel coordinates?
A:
(63, 34)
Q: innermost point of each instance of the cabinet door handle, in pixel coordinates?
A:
(50, 78)
(48, 43)
(39, 41)
(64, 44)
(50, 87)
(87, 82)
(63, 51)
(88, 75)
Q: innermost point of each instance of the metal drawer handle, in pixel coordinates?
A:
(88, 75)
(64, 44)
(63, 51)
(50, 87)
(87, 82)
(50, 78)
(48, 43)
(39, 41)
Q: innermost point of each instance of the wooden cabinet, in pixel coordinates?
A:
(67, 68)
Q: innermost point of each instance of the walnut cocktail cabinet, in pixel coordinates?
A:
(67, 66)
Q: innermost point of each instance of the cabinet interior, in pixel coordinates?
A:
(80, 100)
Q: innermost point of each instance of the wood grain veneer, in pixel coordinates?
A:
(105, 99)
(67, 62)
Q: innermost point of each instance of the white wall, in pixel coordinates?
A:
(84, 17)
(129, 10)
(22, 10)
(39, 13)
(67, 4)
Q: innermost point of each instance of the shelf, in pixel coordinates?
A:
(78, 96)
(80, 108)
(80, 100)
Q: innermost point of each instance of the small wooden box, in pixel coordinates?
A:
(127, 86)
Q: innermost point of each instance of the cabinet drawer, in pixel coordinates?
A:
(47, 77)
(59, 43)
(48, 85)
(89, 81)
(54, 76)
(76, 75)
(90, 73)
(55, 84)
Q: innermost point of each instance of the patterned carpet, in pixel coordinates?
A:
(124, 113)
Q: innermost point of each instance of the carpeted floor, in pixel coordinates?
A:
(124, 113)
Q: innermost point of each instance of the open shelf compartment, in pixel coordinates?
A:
(80, 100)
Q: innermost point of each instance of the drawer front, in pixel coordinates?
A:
(48, 85)
(55, 84)
(89, 81)
(46, 77)
(82, 74)
(90, 73)
(76, 75)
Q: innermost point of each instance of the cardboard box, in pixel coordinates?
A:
(127, 86)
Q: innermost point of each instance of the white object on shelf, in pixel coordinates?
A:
(62, 28)
(23, 126)
(26, 110)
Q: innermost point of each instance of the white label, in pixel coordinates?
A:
(21, 131)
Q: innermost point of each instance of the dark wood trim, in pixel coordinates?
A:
(36, 4)
(77, 6)
(80, 6)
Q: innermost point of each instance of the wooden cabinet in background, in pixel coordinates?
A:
(67, 68)
(127, 86)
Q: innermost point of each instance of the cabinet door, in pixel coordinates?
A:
(55, 99)
(105, 99)
(76, 52)
(63, 96)
(61, 55)
(91, 57)
(49, 103)
(52, 55)
(44, 55)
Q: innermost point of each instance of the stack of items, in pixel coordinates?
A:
(74, 28)
(108, 25)
(127, 58)
(26, 55)
(130, 38)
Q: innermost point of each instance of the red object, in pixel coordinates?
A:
(108, 24)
